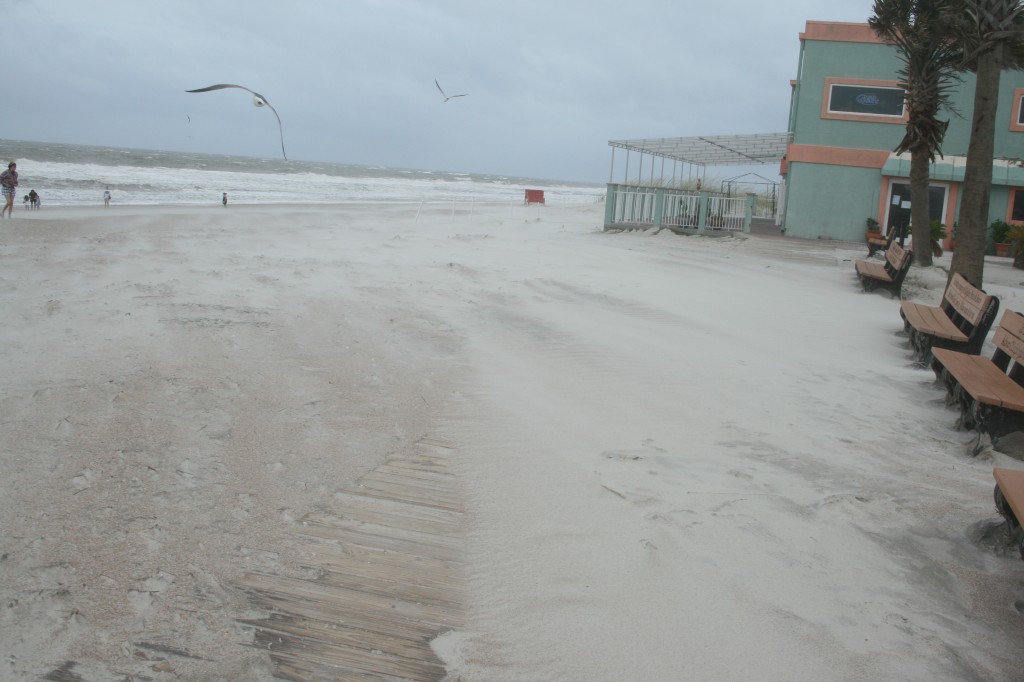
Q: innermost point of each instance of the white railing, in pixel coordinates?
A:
(726, 214)
(681, 210)
(702, 211)
(634, 207)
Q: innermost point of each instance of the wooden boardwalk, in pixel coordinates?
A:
(388, 578)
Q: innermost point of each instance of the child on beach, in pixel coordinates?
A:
(9, 181)
(106, 197)
(224, 199)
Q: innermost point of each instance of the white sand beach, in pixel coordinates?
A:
(673, 458)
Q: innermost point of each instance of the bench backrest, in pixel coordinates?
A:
(895, 258)
(897, 265)
(971, 310)
(1009, 341)
(964, 299)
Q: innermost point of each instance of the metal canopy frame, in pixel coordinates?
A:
(713, 150)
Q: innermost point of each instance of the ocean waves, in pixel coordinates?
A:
(76, 175)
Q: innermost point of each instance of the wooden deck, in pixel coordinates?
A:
(388, 578)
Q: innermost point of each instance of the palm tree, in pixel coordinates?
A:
(919, 30)
(992, 33)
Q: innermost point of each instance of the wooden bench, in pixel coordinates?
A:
(1009, 499)
(877, 241)
(886, 275)
(961, 322)
(990, 392)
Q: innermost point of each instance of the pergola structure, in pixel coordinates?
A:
(702, 151)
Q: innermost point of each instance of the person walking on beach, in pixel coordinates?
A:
(9, 181)
(224, 199)
(106, 197)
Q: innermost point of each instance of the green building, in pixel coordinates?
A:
(846, 117)
(838, 170)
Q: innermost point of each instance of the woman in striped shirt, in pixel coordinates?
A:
(9, 180)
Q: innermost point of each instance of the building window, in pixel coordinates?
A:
(860, 99)
(1017, 119)
(853, 99)
(1017, 205)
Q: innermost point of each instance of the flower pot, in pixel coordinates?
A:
(1003, 248)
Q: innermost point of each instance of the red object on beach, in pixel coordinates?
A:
(534, 196)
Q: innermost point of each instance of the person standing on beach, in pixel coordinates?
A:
(106, 197)
(9, 181)
(33, 198)
(224, 199)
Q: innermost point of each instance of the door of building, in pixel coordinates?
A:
(899, 206)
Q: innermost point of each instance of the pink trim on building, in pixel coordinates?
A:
(1009, 205)
(843, 32)
(836, 156)
(1015, 125)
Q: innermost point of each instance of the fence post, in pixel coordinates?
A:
(702, 212)
(749, 212)
(609, 205)
(659, 207)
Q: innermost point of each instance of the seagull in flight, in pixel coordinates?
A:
(258, 100)
(447, 97)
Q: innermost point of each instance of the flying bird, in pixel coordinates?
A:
(447, 97)
(258, 100)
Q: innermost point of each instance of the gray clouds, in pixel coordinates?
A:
(549, 83)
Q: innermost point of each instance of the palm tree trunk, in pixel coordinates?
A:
(973, 219)
(920, 229)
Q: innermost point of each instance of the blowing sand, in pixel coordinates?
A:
(679, 457)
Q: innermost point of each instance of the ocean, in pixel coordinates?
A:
(76, 175)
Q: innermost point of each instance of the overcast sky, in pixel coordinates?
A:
(549, 82)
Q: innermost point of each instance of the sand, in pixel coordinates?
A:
(679, 457)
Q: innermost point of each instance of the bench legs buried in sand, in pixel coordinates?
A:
(1009, 499)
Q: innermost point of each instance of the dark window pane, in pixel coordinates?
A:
(1018, 206)
(863, 99)
(1020, 112)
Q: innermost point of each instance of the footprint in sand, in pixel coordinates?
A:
(84, 479)
(153, 538)
(141, 599)
(187, 473)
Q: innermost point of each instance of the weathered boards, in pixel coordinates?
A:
(388, 578)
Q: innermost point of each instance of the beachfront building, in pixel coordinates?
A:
(846, 116)
(835, 160)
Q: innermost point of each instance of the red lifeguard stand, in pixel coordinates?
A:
(534, 196)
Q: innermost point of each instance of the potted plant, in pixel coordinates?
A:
(873, 237)
(873, 228)
(1000, 231)
(1016, 238)
(938, 233)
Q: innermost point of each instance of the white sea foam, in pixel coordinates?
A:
(69, 175)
